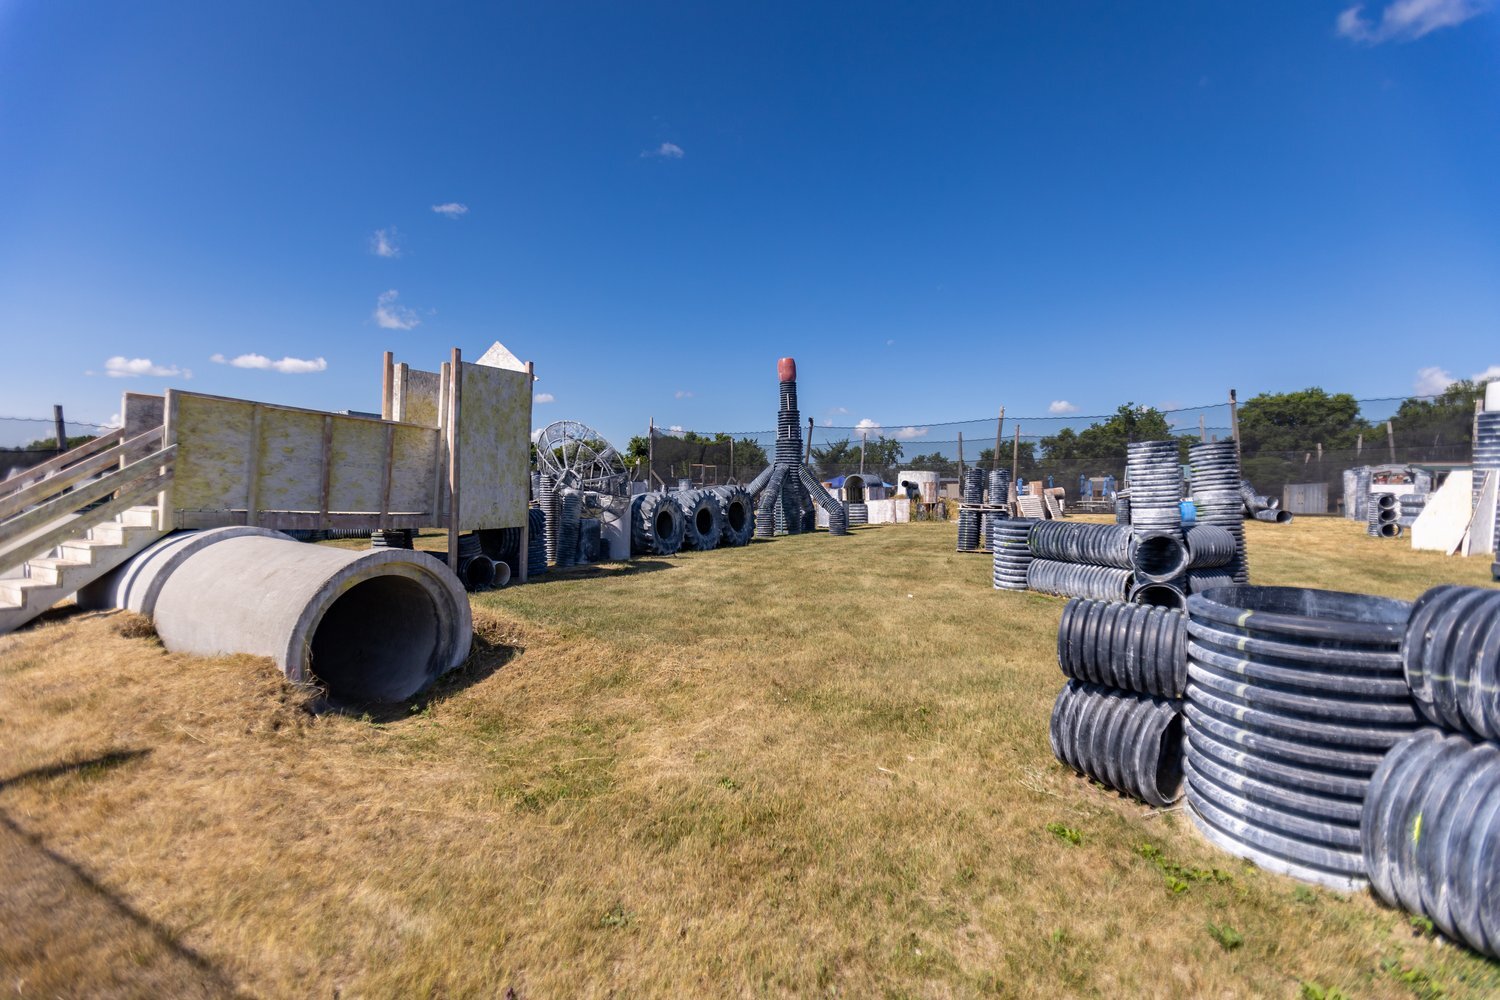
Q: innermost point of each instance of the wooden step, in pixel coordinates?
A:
(51, 570)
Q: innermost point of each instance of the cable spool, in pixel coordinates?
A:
(1133, 647)
(656, 526)
(1430, 834)
(1103, 583)
(1129, 742)
(1076, 542)
(1012, 553)
(1293, 697)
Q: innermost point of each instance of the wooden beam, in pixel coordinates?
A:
(385, 473)
(522, 553)
(325, 460)
(60, 427)
(51, 486)
(387, 384)
(252, 469)
(1015, 462)
(17, 528)
(440, 453)
(999, 436)
(28, 477)
(455, 407)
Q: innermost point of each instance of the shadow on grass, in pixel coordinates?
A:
(94, 765)
(592, 571)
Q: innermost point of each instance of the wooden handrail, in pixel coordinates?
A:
(45, 489)
(17, 527)
(29, 476)
(66, 531)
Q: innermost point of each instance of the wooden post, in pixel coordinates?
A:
(1202, 430)
(863, 435)
(1359, 445)
(387, 380)
(252, 470)
(650, 450)
(440, 456)
(325, 459)
(1234, 419)
(960, 464)
(999, 437)
(60, 427)
(521, 559)
(1390, 440)
(731, 478)
(807, 458)
(1320, 452)
(455, 409)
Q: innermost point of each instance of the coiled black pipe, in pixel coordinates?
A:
(1133, 647)
(1129, 742)
(1293, 697)
(1199, 580)
(1216, 494)
(1430, 834)
(1122, 509)
(859, 514)
(570, 514)
(1012, 553)
(1158, 556)
(767, 505)
(536, 542)
(1078, 542)
(1103, 583)
(1451, 658)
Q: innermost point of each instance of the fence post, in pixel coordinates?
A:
(455, 410)
(807, 458)
(59, 427)
(1390, 440)
(1015, 461)
(999, 436)
(960, 462)
(1234, 419)
(650, 450)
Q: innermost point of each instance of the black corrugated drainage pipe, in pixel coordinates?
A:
(1129, 742)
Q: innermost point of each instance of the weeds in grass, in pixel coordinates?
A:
(1228, 938)
(1414, 979)
(1302, 894)
(1317, 991)
(1179, 878)
(616, 917)
(129, 625)
(1066, 833)
(1422, 926)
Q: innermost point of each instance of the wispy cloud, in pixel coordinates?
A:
(866, 424)
(384, 243)
(1431, 381)
(1489, 374)
(544, 397)
(1406, 20)
(683, 394)
(910, 433)
(390, 315)
(889, 343)
(666, 151)
(1061, 406)
(123, 367)
(677, 430)
(451, 209)
(287, 366)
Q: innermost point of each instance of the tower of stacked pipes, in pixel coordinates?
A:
(786, 491)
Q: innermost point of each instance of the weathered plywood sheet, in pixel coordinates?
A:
(213, 450)
(1442, 523)
(1481, 540)
(494, 440)
(141, 412)
(413, 469)
(291, 460)
(358, 475)
(414, 397)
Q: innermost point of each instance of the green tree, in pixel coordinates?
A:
(836, 457)
(1300, 421)
(1447, 419)
(1105, 442)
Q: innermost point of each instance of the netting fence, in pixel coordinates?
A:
(1281, 444)
(28, 441)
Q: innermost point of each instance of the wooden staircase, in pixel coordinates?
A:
(69, 521)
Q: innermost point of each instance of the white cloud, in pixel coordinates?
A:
(287, 366)
(1431, 381)
(123, 367)
(667, 151)
(1406, 20)
(866, 424)
(1061, 406)
(910, 433)
(391, 316)
(115, 421)
(683, 394)
(544, 397)
(1489, 374)
(451, 209)
(676, 430)
(384, 243)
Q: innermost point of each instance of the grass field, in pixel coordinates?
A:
(812, 767)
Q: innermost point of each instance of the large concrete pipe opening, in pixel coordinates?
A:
(377, 625)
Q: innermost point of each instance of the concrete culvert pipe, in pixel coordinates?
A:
(374, 626)
(1158, 556)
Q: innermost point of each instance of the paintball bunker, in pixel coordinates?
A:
(376, 625)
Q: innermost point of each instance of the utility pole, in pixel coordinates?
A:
(863, 435)
(999, 436)
(650, 450)
(1015, 462)
(60, 427)
(1234, 419)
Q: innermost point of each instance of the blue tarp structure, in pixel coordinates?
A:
(837, 482)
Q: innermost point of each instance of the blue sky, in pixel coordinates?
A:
(937, 208)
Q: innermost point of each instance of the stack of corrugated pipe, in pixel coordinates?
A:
(1382, 516)
(1216, 496)
(1293, 698)
(1430, 828)
(570, 513)
(1118, 720)
(475, 569)
(1411, 506)
(1158, 553)
(970, 502)
(547, 498)
(1072, 559)
(1259, 507)
(1009, 538)
(1122, 507)
(536, 542)
(996, 506)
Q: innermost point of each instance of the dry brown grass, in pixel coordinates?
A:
(835, 781)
